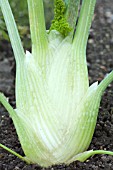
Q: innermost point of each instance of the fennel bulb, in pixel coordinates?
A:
(56, 109)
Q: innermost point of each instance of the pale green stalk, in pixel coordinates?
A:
(13, 32)
(105, 82)
(85, 155)
(16, 154)
(15, 118)
(79, 67)
(38, 30)
(84, 24)
(72, 10)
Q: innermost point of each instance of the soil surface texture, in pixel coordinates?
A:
(100, 62)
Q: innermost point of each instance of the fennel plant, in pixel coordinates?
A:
(56, 109)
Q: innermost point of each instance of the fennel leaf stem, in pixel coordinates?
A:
(13, 31)
(79, 45)
(105, 82)
(85, 155)
(16, 154)
(8, 107)
(84, 23)
(72, 8)
(37, 28)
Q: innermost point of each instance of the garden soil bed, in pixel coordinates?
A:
(100, 62)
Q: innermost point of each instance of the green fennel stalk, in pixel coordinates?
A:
(56, 109)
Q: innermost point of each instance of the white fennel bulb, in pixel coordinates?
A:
(56, 109)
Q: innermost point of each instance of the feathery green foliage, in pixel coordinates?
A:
(60, 22)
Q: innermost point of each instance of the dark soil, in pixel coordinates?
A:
(100, 62)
